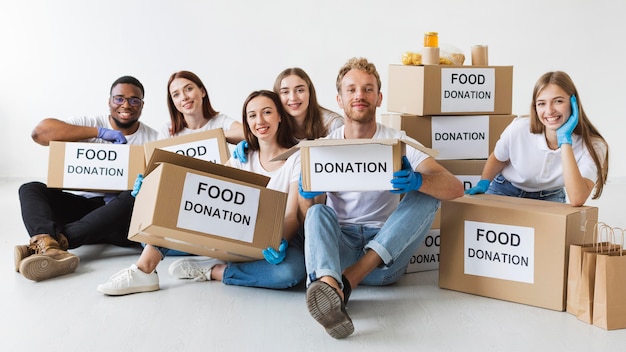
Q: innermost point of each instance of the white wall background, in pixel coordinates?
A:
(59, 58)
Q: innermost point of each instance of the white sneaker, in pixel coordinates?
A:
(198, 269)
(130, 280)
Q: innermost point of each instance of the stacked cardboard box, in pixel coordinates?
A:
(460, 111)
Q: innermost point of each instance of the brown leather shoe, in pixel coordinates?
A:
(19, 253)
(48, 260)
(22, 251)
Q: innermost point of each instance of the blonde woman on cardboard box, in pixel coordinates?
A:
(554, 151)
(297, 94)
(267, 129)
(190, 112)
(57, 220)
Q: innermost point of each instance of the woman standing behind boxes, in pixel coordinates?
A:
(267, 128)
(298, 97)
(537, 156)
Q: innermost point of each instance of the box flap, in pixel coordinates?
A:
(326, 142)
(160, 156)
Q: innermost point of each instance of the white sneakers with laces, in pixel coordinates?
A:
(196, 268)
(130, 280)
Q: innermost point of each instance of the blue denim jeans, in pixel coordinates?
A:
(260, 273)
(502, 186)
(330, 248)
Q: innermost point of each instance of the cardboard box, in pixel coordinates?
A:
(509, 248)
(208, 145)
(454, 137)
(426, 256)
(444, 90)
(207, 209)
(339, 165)
(102, 167)
(467, 171)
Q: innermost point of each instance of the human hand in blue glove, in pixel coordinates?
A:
(407, 179)
(564, 133)
(276, 257)
(114, 136)
(137, 185)
(306, 194)
(240, 151)
(481, 187)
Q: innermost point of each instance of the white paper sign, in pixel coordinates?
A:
(468, 89)
(461, 137)
(207, 150)
(217, 207)
(96, 165)
(363, 167)
(468, 181)
(500, 251)
(426, 256)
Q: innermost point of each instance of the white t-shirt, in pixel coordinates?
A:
(332, 120)
(219, 121)
(280, 179)
(143, 134)
(532, 165)
(370, 208)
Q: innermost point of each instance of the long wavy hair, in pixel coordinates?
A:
(588, 132)
(177, 118)
(284, 135)
(314, 126)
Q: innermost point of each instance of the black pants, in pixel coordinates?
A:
(82, 220)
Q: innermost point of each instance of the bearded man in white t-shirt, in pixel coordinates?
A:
(354, 238)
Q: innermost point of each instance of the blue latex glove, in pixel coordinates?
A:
(306, 194)
(137, 185)
(114, 136)
(240, 151)
(564, 133)
(276, 257)
(481, 187)
(407, 179)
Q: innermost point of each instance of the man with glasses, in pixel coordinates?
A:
(57, 220)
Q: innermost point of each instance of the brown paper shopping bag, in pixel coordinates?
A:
(588, 272)
(609, 302)
(574, 270)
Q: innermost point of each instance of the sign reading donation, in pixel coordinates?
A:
(96, 163)
(468, 89)
(362, 167)
(207, 150)
(223, 208)
(461, 137)
(499, 251)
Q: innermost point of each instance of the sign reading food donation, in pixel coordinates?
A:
(468, 89)
(464, 137)
(208, 145)
(226, 209)
(499, 251)
(94, 166)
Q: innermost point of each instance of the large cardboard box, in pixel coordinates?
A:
(208, 145)
(103, 167)
(446, 90)
(454, 137)
(509, 248)
(207, 209)
(337, 165)
(426, 257)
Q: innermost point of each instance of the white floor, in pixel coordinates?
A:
(68, 314)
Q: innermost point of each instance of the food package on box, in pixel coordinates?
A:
(448, 55)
